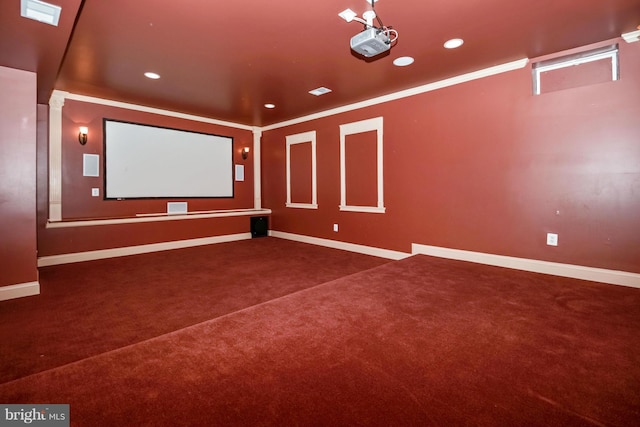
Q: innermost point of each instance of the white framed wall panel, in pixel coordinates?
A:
(375, 124)
(303, 138)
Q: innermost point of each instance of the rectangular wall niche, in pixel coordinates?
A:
(361, 166)
(581, 69)
(301, 171)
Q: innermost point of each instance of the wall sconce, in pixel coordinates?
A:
(82, 135)
(245, 153)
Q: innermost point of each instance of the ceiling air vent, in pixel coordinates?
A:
(40, 11)
(319, 91)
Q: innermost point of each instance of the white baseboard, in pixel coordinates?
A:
(613, 277)
(135, 250)
(335, 244)
(602, 275)
(20, 290)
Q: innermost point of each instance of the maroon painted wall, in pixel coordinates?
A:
(17, 177)
(301, 173)
(361, 174)
(486, 166)
(78, 204)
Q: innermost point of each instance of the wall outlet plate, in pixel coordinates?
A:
(95, 192)
(552, 239)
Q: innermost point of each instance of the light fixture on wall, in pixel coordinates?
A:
(245, 153)
(82, 135)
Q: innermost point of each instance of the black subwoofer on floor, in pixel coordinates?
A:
(259, 226)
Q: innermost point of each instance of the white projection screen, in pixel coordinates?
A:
(143, 161)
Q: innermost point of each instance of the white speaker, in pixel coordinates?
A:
(90, 165)
(174, 208)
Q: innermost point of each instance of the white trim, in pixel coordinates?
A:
(135, 250)
(217, 213)
(20, 290)
(56, 102)
(368, 125)
(613, 277)
(257, 161)
(145, 109)
(302, 138)
(463, 78)
(559, 63)
(364, 209)
(335, 244)
(632, 36)
(302, 205)
(153, 217)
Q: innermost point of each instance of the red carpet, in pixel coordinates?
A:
(422, 341)
(92, 307)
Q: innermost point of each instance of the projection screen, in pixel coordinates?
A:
(143, 161)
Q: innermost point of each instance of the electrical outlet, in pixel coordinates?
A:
(95, 192)
(552, 239)
(335, 227)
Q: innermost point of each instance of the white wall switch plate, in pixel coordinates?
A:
(95, 192)
(335, 227)
(552, 239)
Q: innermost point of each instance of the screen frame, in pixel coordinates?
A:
(107, 195)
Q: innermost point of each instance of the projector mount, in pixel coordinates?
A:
(373, 40)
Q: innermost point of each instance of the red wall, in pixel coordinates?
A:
(486, 166)
(17, 177)
(301, 173)
(361, 174)
(78, 204)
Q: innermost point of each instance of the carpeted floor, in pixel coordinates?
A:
(93, 307)
(422, 341)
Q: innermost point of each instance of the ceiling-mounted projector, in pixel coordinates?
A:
(371, 42)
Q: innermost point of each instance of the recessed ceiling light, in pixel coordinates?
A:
(151, 75)
(453, 43)
(40, 11)
(320, 91)
(403, 61)
(269, 106)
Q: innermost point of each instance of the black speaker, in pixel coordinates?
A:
(259, 226)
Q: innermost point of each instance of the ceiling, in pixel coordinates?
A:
(225, 60)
